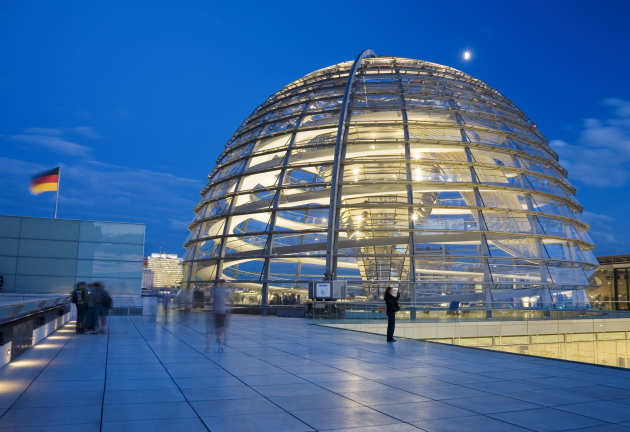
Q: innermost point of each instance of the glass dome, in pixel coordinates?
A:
(391, 171)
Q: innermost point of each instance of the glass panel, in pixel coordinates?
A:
(208, 248)
(237, 153)
(516, 247)
(229, 170)
(10, 226)
(567, 275)
(251, 223)
(257, 181)
(544, 185)
(507, 223)
(374, 116)
(289, 240)
(278, 141)
(46, 266)
(431, 116)
(301, 219)
(112, 232)
(316, 137)
(211, 228)
(247, 270)
(245, 243)
(435, 133)
(99, 269)
(50, 229)
(515, 272)
(503, 199)
(493, 158)
(314, 154)
(372, 133)
(214, 208)
(32, 284)
(220, 189)
(110, 251)
(436, 152)
(47, 248)
(497, 177)
(9, 246)
(377, 149)
(7, 264)
(321, 119)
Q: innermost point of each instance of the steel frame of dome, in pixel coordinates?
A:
(431, 181)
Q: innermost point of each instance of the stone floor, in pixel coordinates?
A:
(284, 374)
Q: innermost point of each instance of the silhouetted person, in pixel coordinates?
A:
(80, 299)
(221, 308)
(391, 304)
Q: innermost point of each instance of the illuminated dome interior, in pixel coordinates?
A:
(429, 179)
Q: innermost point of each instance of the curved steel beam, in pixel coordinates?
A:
(342, 130)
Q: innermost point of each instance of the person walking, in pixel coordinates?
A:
(104, 301)
(80, 300)
(392, 306)
(221, 308)
(91, 320)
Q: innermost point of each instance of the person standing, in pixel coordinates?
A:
(392, 306)
(80, 300)
(221, 308)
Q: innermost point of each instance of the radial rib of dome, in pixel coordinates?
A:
(446, 190)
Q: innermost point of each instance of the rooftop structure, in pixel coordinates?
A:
(49, 256)
(392, 171)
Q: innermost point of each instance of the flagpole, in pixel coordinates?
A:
(57, 198)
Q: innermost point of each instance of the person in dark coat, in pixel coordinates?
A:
(104, 304)
(391, 304)
(91, 320)
(80, 299)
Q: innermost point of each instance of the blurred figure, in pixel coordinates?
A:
(104, 304)
(80, 300)
(391, 303)
(221, 308)
(91, 319)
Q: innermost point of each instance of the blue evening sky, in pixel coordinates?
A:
(136, 99)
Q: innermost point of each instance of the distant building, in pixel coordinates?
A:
(610, 288)
(167, 270)
(43, 255)
(147, 278)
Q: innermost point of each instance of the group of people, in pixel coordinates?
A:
(93, 303)
(285, 299)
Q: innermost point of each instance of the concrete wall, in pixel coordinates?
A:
(39, 255)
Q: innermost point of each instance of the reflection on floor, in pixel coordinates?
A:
(606, 348)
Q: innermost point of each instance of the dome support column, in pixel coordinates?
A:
(337, 177)
(541, 250)
(484, 250)
(411, 248)
(274, 212)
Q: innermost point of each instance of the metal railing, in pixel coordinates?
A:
(432, 311)
(13, 307)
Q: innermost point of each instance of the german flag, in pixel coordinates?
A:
(47, 181)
